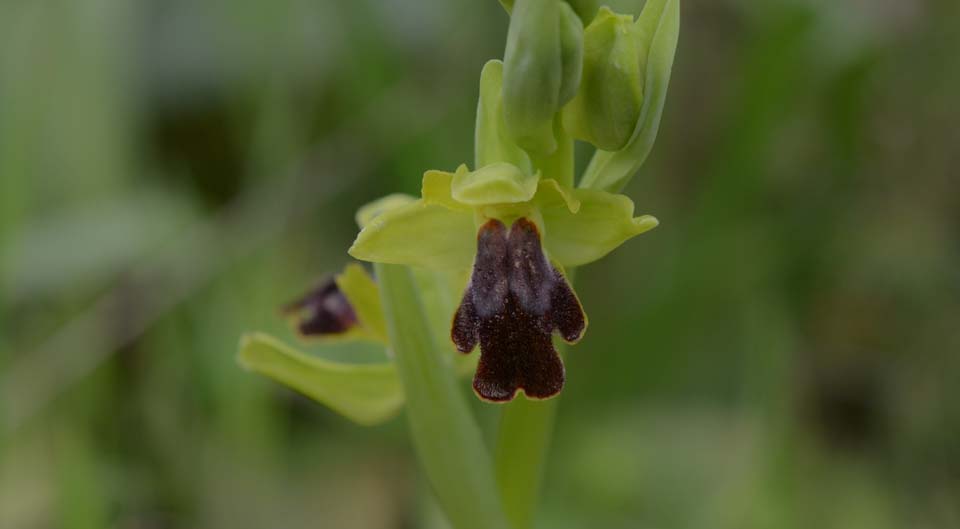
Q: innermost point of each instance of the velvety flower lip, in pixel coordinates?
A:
(515, 300)
(323, 311)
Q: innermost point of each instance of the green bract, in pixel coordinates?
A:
(371, 210)
(439, 230)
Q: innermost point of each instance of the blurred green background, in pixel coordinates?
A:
(781, 353)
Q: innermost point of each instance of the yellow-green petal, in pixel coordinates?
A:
(364, 296)
(418, 234)
(436, 189)
(603, 222)
(499, 183)
(364, 393)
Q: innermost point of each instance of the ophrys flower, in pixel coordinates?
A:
(516, 232)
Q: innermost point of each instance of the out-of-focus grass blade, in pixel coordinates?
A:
(364, 393)
(89, 243)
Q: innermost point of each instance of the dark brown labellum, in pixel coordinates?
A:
(323, 311)
(514, 302)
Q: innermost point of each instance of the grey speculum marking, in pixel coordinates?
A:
(514, 302)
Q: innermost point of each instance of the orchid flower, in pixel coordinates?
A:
(517, 232)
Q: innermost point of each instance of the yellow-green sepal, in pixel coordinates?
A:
(418, 234)
(367, 394)
(369, 211)
(602, 222)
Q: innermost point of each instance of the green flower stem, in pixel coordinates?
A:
(558, 165)
(522, 442)
(526, 427)
(446, 437)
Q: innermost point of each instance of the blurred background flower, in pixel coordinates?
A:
(782, 352)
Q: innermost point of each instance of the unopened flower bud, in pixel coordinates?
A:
(571, 53)
(542, 66)
(606, 108)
